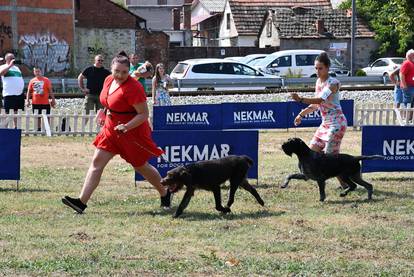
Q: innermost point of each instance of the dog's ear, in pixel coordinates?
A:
(285, 148)
(185, 176)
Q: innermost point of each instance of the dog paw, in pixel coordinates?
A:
(321, 199)
(284, 186)
(226, 210)
(343, 194)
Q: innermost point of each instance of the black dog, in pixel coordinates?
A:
(320, 167)
(209, 175)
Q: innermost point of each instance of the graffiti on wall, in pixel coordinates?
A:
(45, 51)
(5, 33)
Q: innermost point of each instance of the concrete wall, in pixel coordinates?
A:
(228, 37)
(364, 48)
(273, 40)
(108, 42)
(40, 33)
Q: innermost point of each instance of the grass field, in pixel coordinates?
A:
(125, 233)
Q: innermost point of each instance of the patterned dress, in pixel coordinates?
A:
(162, 98)
(332, 129)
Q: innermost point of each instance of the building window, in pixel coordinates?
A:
(269, 28)
(228, 21)
(162, 2)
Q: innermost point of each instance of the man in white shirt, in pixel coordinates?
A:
(13, 84)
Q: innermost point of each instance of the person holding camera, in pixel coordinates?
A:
(13, 84)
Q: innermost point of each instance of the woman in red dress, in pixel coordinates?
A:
(125, 131)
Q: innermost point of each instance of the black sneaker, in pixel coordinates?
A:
(75, 204)
(166, 200)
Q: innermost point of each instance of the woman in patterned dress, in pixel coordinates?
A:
(160, 81)
(328, 136)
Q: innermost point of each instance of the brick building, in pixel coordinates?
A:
(311, 28)
(103, 27)
(39, 32)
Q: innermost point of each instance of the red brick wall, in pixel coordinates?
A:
(152, 46)
(50, 4)
(5, 32)
(103, 14)
(43, 39)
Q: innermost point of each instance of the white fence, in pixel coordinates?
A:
(66, 124)
(61, 123)
(383, 115)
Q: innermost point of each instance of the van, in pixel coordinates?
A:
(293, 63)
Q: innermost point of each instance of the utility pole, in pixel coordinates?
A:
(353, 28)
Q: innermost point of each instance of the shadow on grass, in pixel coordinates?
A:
(200, 216)
(353, 201)
(213, 215)
(391, 194)
(394, 179)
(22, 190)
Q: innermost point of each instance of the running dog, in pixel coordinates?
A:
(320, 167)
(209, 175)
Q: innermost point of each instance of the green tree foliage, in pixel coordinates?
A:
(391, 20)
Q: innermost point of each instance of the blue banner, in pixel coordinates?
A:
(188, 117)
(186, 147)
(264, 115)
(395, 143)
(314, 119)
(10, 154)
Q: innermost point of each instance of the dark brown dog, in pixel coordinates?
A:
(209, 175)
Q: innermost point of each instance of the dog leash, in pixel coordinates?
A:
(293, 113)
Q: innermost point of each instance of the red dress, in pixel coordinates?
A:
(135, 146)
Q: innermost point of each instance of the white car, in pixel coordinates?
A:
(297, 63)
(383, 66)
(290, 62)
(251, 59)
(218, 69)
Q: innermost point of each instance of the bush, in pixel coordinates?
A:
(360, 72)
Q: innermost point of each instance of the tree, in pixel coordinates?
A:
(391, 20)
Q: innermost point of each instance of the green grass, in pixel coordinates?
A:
(124, 233)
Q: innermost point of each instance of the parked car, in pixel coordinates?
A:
(249, 59)
(217, 69)
(299, 63)
(382, 67)
(234, 58)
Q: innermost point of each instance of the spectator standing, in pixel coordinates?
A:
(407, 79)
(40, 90)
(160, 83)
(398, 92)
(95, 76)
(137, 74)
(13, 84)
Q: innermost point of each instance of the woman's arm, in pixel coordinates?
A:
(141, 117)
(154, 84)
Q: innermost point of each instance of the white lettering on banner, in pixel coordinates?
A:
(253, 116)
(398, 147)
(314, 114)
(187, 117)
(192, 153)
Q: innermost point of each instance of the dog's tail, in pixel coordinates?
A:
(249, 161)
(372, 157)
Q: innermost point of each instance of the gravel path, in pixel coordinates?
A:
(366, 96)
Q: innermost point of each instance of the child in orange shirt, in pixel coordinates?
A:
(40, 88)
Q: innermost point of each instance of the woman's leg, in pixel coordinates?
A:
(99, 161)
(152, 176)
